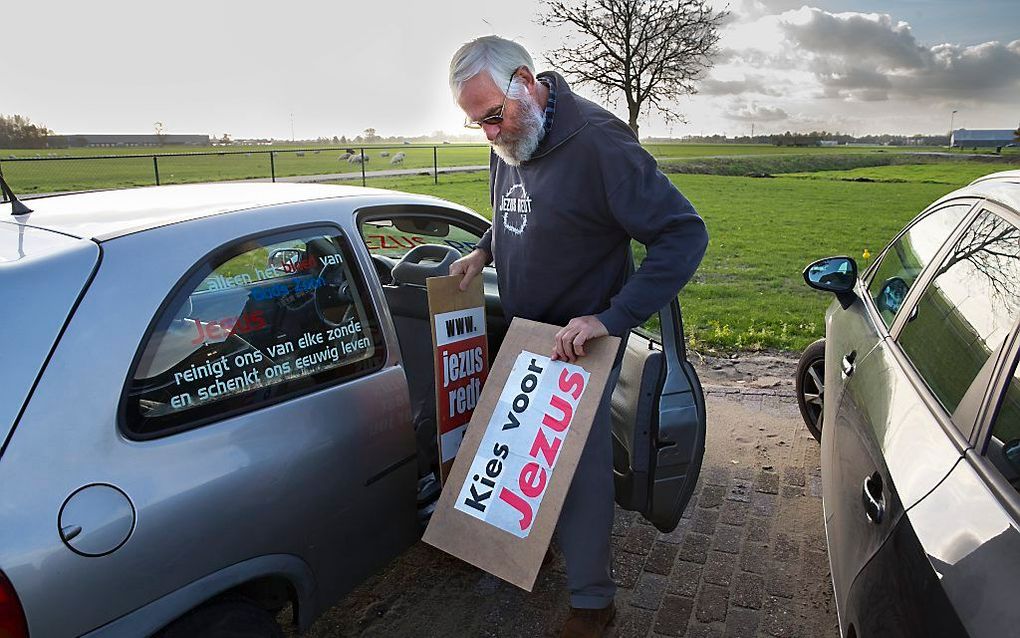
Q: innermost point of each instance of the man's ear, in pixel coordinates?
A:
(526, 77)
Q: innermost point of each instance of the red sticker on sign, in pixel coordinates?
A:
(461, 368)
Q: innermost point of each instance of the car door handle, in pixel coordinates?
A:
(873, 499)
(848, 364)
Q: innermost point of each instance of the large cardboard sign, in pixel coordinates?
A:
(504, 494)
(461, 358)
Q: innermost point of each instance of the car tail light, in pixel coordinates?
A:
(12, 616)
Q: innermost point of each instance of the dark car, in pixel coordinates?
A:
(920, 428)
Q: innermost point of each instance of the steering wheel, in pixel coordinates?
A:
(333, 290)
(424, 261)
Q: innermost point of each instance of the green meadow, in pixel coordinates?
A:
(60, 170)
(749, 293)
(769, 210)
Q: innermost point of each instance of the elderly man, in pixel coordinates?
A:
(570, 187)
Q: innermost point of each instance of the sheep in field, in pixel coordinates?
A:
(345, 157)
(398, 158)
(384, 154)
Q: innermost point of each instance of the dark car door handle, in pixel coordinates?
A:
(873, 499)
(847, 364)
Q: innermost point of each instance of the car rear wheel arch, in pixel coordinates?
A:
(224, 616)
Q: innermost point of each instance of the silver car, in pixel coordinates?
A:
(216, 400)
(921, 428)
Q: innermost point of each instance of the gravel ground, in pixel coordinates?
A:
(748, 559)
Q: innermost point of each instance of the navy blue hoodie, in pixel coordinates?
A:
(563, 220)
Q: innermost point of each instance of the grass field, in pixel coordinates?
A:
(58, 170)
(748, 293)
(54, 173)
(951, 173)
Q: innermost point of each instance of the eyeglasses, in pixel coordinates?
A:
(493, 120)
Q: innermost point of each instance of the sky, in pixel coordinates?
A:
(337, 67)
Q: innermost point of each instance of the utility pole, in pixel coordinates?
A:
(952, 118)
(292, 127)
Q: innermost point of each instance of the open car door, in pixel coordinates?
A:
(658, 425)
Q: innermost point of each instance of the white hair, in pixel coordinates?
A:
(494, 55)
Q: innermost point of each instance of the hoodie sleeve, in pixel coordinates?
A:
(651, 210)
(485, 243)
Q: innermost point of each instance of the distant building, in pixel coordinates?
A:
(797, 140)
(829, 143)
(79, 141)
(997, 139)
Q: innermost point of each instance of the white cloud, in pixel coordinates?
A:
(754, 112)
(783, 64)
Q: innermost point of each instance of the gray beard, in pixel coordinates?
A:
(521, 148)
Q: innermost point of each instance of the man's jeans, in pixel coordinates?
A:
(586, 521)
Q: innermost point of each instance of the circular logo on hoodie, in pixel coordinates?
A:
(515, 206)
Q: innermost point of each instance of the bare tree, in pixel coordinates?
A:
(651, 51)
(992, 246)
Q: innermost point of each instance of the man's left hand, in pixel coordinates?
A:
(569, 342)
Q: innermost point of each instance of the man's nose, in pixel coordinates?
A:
(491, 131)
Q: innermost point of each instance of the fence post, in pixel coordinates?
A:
(155, 168)
(362, 162)
(3, 193)
(435, 164)
(272, 165)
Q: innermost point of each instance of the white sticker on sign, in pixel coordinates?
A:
(513, 467)
(457, 325)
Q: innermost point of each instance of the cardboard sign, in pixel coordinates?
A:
(461, 359)
(503, 497)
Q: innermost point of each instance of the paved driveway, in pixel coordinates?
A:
(748, 559)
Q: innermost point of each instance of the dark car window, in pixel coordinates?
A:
(967, 310)
(907, 256)
(1004, 443)
(394, 237)
(258, 321)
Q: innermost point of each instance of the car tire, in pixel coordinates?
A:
(811, 387)
(226, 617)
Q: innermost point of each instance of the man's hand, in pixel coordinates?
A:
(469, 266)
(569, 342)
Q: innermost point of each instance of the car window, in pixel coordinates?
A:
(1004, 443)
(394, 237)
(967, 310)
(255, 322)
(906, 257)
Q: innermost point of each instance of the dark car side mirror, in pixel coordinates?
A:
(834, 274)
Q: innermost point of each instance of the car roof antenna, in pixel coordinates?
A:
(17, 208)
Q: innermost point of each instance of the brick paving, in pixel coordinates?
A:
(747, 560)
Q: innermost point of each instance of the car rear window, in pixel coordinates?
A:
(967, 310)
(256, 322)
(1003, 448)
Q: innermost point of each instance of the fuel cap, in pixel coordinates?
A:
(96, 519)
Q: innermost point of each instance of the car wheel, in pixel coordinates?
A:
(811, 387)
(227, 617)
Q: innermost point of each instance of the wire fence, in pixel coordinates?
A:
(49, 172)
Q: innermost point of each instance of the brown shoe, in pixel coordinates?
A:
(588, 623)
